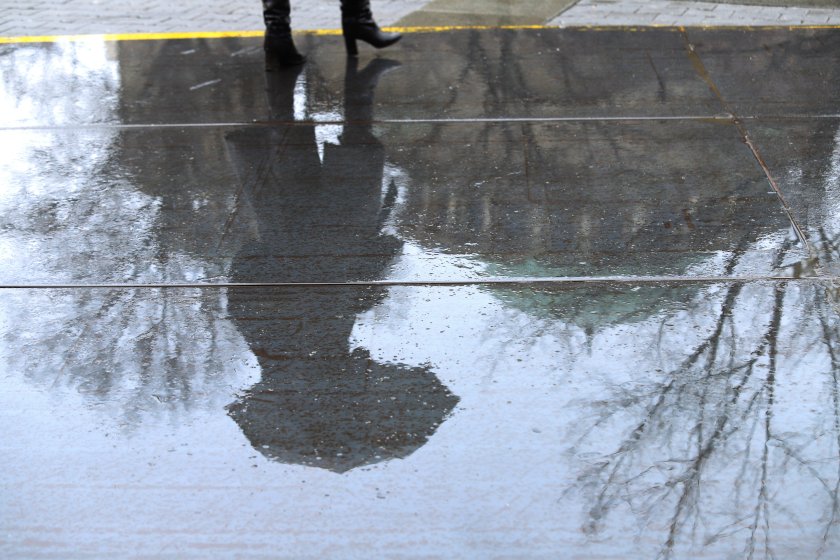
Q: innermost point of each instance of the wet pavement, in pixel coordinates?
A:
(571, 293)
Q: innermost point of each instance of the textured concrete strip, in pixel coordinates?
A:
(29, 17)
(486, 12)
(683, 12)
(781, 3)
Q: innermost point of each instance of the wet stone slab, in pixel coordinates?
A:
(487, 74)
(549, 73)
(592, 420)
(779, 72)
(400, 202)
(804, 158)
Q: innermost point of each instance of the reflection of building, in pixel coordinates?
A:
(617, 196)
(588, 198)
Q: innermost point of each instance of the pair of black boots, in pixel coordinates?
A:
(356, 24)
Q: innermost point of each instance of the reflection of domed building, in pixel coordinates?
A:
(578, 199)
(588, 197)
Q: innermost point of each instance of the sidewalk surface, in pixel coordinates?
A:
(21, 18)
(490, 293)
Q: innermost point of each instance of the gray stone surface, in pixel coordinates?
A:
(680, 12)
(487, 12)
(27, 17)
(781, 3)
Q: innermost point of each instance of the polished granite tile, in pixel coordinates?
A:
(336, 203)
(804, 158)
(763, 72)
(487, 74)
(582, 420)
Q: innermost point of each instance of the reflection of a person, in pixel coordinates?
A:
(318, 402)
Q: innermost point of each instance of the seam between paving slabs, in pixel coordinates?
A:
(571, 280)
(474, 120)
(704, 74)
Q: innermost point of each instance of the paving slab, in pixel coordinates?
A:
(70, 17)
(760, 77)
(27, 17)
(501, 74)
(601, 420)
(782, 3)
(693, 13)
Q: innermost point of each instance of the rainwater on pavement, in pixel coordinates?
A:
(536, 293)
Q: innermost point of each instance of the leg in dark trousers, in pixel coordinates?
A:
(279, 47)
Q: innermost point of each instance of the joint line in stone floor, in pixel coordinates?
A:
(445, 282)
(499, 120)
(496, 120)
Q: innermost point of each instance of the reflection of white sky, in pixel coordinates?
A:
(69, 213)
(65, 82)
(79, 80)
(831, 199)
(826, 214)
(324, 133)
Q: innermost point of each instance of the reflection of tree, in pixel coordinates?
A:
(58, 83)
(137, 354)
(822, 207)
(707, 448)
(83, 207)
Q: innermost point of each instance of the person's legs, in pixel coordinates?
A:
(357, 23)
(279, 46)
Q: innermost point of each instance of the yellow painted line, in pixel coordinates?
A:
(130, 36)
(419, 29)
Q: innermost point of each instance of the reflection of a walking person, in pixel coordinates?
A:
(319, 403)
(356, 24)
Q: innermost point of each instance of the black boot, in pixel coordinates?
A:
(357, 23)
(279, 47)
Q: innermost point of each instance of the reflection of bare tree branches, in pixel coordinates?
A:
(139, 353)
(709, 441)
(830, 340)
(830, 245)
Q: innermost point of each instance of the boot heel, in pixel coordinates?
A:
(350, 43)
